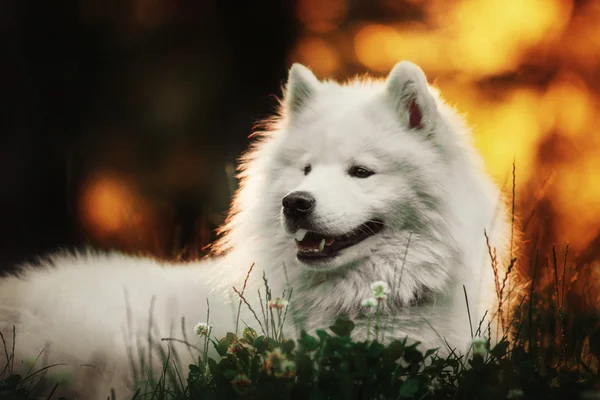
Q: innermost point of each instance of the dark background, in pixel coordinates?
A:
(76, 83)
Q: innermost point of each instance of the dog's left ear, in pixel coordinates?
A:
(407, 91)
(301, 87)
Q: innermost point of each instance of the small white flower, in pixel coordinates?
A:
(202, 329)
(480, 346)
(287, 369)
(273, 361)
(380, 290)
(370, 302)
(278, 303)
(514, 394)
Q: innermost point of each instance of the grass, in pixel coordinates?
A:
(545, 358)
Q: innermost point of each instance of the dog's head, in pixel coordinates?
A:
(355, 165)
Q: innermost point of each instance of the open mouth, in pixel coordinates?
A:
(313, 246)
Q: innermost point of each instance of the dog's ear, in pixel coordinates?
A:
(302, 84)
(407, 91)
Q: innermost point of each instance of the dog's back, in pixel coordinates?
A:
(94, 312)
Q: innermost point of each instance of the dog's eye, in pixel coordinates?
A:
(307, 169)
(359, 172)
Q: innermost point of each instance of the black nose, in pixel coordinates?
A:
(298, 204)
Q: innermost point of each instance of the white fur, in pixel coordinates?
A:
(430, 189)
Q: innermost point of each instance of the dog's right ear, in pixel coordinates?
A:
(407, 91)
(301, 86)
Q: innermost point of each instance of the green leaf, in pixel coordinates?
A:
(375, 350)
(476, 362)
(342, 326)
(271, 343)
(230, 374)
(322, 334)
(194, 373)
(430, 352)
(409, 388)
(288, 346)
(396, 349)
(307, 342)
(261, 344)
(221, 346)
(249, 335)
(231, 337)
(213, 366)
(224, 343)
(499, 350)
(412, 355)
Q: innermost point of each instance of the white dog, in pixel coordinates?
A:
(352, 183)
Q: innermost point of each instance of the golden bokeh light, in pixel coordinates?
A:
(578, 200)
(570, 106)
(479, 37)
(507, 130)
(581, 43)
(371, 44)
(114, 213)
(321, 16)
(318, 55)
(379, 47)
(504, 129)
(489, 36)
(108, 205)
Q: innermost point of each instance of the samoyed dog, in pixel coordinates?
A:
(369, 180)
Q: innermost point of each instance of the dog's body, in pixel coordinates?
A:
(376, 180)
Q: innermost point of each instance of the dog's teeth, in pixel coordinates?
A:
(300, 233)
(322, 245)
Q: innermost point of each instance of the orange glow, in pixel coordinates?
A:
(506, 130)
(581, 44)
(114, 213)
(379, 47)
(108, 205)
(321, 16)
(489, 36)
(317, 54)
(569, 105)
(578, 199)
(371, 45)
(480, 37)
